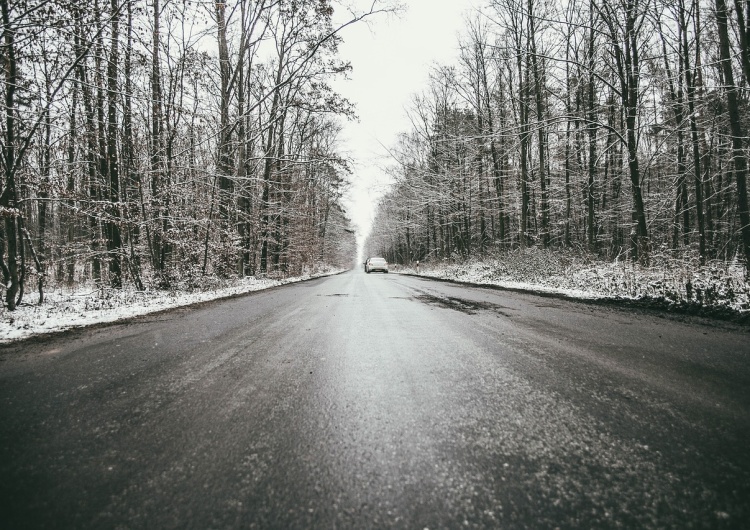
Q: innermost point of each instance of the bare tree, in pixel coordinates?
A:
(737, 131)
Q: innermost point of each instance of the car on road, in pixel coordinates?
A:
(376, 264)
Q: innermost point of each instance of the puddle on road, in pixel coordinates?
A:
(469, 307)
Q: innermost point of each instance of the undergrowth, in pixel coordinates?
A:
(672, 283)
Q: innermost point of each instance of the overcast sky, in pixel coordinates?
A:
(391, 59)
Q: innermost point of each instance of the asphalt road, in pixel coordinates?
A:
(379, 401)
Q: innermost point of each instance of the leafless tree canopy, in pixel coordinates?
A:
(616, 127)
(158, 141)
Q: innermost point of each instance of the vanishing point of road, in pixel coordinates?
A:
(380, 401)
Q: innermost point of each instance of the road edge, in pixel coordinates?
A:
(652, 305)
(77, 328)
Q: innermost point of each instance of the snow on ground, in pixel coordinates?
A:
(65, 309)
(715, 288)
(718, 289)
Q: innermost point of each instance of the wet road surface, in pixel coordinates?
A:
(379, 401)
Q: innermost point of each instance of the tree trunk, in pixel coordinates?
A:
(524, 140)
(69, 224)
(591, 128)
(157, 243)
(8, 199)
(114, 238)
(628, 71)
(267, 170)
(733, 108)
(224, 156)
(697, 171)
(90, 144)
(102, 171)
(541, 140)
(676, 94)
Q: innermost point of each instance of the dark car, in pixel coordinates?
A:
(376, 264)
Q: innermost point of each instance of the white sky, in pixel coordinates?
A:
(391, 59)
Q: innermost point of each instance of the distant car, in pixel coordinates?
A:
(376, 264)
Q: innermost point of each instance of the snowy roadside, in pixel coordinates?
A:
(716, 289)
(65, 309)
(475, 277)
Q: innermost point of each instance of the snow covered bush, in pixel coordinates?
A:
(672, 283)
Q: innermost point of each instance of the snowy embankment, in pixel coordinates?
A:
(715, 289)
(65, 309)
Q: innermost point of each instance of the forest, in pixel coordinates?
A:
(616, 128)
(152, 143)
